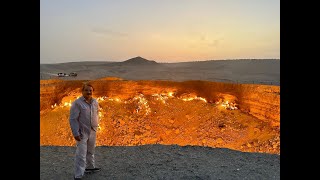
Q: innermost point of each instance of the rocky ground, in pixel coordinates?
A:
(162, 162)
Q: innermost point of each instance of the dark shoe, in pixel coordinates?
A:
(92, 170)
(87, 171)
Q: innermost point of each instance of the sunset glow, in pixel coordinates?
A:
(164, 31)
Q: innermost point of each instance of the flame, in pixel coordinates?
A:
(99, 99)
(161, 97)
(115, 99)
(202, 99)
(100, 128)
(67, 104)
(100, 114)
(188, 99)
(142, 102)
(194, 98)
(53, 106)
(227, 105)
(170, 94)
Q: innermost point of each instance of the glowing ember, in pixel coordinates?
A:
(161, 97)
(227, 105)
(142, 102)
(202, 99)
(67, 103)
(115, 99)
(194, 98)
(170, 94)
(100, 112)
(53, 106)
(101, 98)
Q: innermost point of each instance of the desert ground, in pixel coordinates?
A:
(237, 71)
(159, 161)
(162, 162)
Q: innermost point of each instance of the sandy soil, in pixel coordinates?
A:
(240, 71)
(162, 162)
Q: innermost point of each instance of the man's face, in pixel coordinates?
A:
(87, 92)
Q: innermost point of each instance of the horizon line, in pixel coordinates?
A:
(233, 59)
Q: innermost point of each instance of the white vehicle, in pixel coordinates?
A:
(62, 74)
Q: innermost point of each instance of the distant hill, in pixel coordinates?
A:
(138, 61)
(258, 71)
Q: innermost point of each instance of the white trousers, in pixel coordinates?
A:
(84, 157)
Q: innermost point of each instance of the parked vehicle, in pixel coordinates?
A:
(73, 74)
(62, 74)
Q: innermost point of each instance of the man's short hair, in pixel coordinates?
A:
(87, 84)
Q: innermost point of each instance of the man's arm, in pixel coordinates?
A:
(98, 109)
(98, 112)
(73, 119)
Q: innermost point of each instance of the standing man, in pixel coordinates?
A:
(84, 120)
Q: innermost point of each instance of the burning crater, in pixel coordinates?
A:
(237, 116)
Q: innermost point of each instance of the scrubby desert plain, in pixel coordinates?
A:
(188, 120)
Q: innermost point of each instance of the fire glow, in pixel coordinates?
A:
(142, 102)
(168, 113)
(227, 105)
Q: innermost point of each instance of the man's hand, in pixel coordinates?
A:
(77, 138)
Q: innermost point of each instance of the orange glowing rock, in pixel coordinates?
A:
(159, 114)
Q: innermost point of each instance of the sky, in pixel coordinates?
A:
(160, 30)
